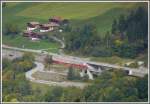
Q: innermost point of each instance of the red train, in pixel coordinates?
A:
(80, 66)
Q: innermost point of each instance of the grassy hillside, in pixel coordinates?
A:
(19, 41)
(70, 10)
(100, 14)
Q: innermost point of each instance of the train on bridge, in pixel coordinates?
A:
(69, 63)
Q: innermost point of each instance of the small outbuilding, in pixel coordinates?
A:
(55, 19)
(34, 38)
(140, 63)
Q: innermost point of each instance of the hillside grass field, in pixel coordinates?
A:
(70, 10)
(21, 42)
(99, 14)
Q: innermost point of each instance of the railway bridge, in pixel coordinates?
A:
(88, 67)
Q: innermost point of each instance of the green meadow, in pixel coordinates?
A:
(99, 14)
(70, 10)
(21, 42)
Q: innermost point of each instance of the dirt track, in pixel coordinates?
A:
(40, 68)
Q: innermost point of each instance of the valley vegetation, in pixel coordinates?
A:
(128, 37)
(113, 85)
(125, 36)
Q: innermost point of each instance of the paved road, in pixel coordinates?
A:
(62, 44)
(11, 54)
(77, 60)
(40, 67)
(58, 40)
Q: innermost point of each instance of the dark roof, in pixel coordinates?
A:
(51, 24)
(34, 23)
(57, 18)
(27, 32)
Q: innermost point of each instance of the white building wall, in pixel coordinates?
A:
(44, 30)
(50, 29)
(30, 29)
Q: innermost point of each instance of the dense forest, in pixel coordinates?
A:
(112, 85)
(128, 37)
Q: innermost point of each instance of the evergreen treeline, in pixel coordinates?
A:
(128, 37)
(130, 33)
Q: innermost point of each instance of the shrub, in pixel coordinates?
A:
(11, 29)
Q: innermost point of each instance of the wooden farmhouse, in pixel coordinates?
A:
(48, 27)
(32, 25)
(35, 30)
(31, 35)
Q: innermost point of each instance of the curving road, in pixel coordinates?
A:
(40, 67)
(67, 59)
(58, 40)
(77, 60)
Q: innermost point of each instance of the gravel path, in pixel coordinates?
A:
(40, 67)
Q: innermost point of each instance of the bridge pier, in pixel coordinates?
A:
(99, 69)
(90, 74)
(82, 73)
(130, 72)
